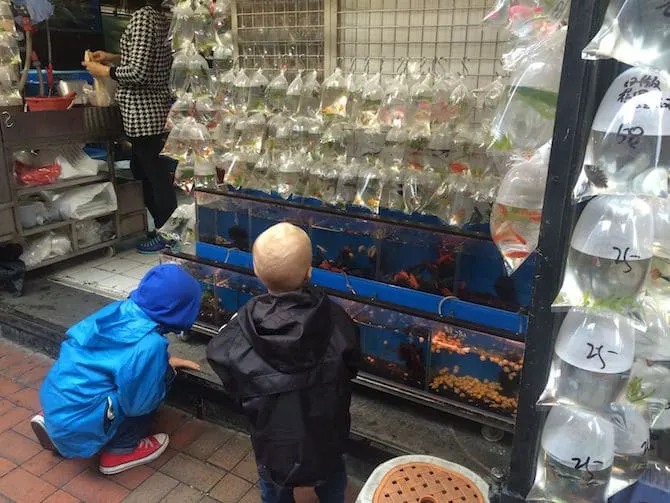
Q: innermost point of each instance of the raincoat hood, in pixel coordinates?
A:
(169, 296)
(288, 330)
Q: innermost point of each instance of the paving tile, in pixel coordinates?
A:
(61, 497)
(66, 470)
(7, 386)
(33, 378)
(92, 276)
(41, 462)
(24, 487)
(247, 468)
(13, 417)
(17, 448)
(132, 479)
(183, 494)
(27, 398)
(93, 487)
(232, 452)
(252, 496)
(230, 489)
(118, 265)
(205, 446)
(18, 366)
(207, 499)
(153, 490)
(6, 348)
(164, 458)
(139, 271)
(5, 405)
(168, 420)
(23, 427)
(6, 466)
(187, 433)
(192, 472)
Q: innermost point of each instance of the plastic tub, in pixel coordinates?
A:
(50, 103)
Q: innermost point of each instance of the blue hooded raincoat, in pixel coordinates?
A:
(114, 363)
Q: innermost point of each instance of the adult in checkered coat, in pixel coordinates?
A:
(142, 71)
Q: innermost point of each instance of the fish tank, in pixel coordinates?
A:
(223, 221)
(440, 362)
(225, 290)
(421, 258)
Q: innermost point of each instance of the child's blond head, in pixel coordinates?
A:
(283, 258)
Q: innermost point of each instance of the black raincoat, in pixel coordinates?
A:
(289, 360)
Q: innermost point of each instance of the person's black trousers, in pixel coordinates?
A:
(154, 171)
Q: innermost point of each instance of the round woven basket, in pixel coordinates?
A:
(426, 483)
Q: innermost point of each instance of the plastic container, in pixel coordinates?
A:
(50, 103)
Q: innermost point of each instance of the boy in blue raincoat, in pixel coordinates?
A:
(113, 372)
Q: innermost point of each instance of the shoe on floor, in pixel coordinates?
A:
(40, 430)
(153, 244)
(148, 450)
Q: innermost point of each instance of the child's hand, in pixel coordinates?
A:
(178, 363)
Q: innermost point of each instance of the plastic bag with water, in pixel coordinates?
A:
(592, 361)
(576, 459)
(629, 148)
(334, 96)
(610, 256)
(635, 32)
(631, 447)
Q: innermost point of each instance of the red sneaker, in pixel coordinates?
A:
(147, 450)
(40, 430)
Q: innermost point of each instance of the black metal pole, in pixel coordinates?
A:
(580, 91)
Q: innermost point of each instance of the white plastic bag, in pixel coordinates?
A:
(75, 163)
(180, 228)
(629, 147)
(87, 202)
(635, 32)
(44, 247)
(593, 358)
(576, 458)
(610, 256)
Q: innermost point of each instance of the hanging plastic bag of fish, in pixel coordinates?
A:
(179, 230)
(181, 109)
(635, 32)
(421, 105)
(199, 76)
(177, 145)
(180, 81)
(207, 114)
(419, 188)
(241, 91)
(392, 190)
(347, 184)
(525, 119)
(205, 174)
(223, 54)
(369, 187)
(576, 458)
(251, 135)
(293, 94)
(593, 357)
(334, 96)
(222, 88)
(275, 93)
(459, 190)
(517, 212)
(393, 112)
(221, 18)
(356, 85)
(529, 18)
(198, 138)
(203, 29)
(488, 100)
(182, 27)
(237, 171)
(367, 112)
(184, 176)
(322, 180)
(225, 135)
(258, 83)
(292, 170)
(610, 257)
(658, 282)
(310, 96)
(460, 109)
(631, 447)
(260, 173)
(629, 148)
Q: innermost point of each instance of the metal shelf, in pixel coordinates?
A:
(63, 223)
(63, 185)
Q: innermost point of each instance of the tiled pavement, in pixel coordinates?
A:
(204, 463)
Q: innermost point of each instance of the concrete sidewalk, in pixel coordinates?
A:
(204, 463)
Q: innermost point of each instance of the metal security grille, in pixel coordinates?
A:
(271, 33)
(389, 31)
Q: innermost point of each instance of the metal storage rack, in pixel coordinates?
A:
(35, 130)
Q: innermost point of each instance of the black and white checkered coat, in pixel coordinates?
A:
(143, 74)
